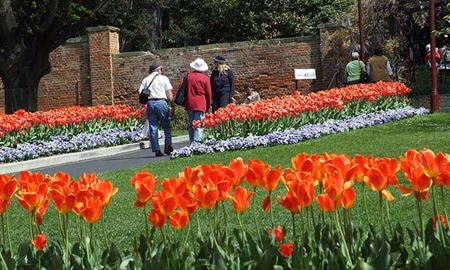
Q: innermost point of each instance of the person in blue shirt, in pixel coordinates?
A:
(222, 84)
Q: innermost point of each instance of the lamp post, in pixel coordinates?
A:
(434, 98)
(361, 30)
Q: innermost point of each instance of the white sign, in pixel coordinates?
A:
(305, 74)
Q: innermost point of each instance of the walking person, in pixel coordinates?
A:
(198, 97)
(222, 84)
(158, 111)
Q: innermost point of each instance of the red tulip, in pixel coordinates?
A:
(40, 241)
(277, 232)
(287, 249)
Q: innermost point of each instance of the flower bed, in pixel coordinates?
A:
(26, 127)
(318, 190)
(293, 111)
(306, 132)
(65, 144)
(25, 135)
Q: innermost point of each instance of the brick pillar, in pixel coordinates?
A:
(103, 43)
(332, 51)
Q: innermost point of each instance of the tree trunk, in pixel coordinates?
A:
(20, 95)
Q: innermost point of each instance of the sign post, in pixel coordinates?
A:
(304, 74)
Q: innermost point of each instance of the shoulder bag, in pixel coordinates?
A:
(143, 96)
(180, 97)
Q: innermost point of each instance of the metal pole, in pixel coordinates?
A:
(434, 99)
(361, 31)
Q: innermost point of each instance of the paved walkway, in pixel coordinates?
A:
(97, 160)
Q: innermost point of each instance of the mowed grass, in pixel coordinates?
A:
(122, 222)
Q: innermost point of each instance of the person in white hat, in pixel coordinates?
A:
(198, 96)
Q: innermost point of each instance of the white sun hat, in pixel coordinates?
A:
(199, 65)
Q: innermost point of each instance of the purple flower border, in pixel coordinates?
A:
(63, 144)
(308, 131)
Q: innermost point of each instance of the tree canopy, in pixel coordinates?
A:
(29, 31)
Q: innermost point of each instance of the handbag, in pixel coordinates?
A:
(143, 96)
(364, 77)
(180, 97)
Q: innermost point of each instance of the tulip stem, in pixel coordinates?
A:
(225, 217)
(344, 242)
(293, 227)
(380, 199)
(146, 223)
(3, 231)
(271, 212)
(7, 231)
(443, 202)
(311, 210)
(388, 216)
(199, 230)
(254, 218)
(31, 226)
(433, 191)
(419, 208)
(365, 203)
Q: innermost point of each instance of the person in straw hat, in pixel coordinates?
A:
(198, 96)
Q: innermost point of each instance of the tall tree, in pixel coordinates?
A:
(29, 31)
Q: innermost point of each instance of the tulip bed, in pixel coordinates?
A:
(316, 189)
(294, 111)
(25, 135)
(307, 131)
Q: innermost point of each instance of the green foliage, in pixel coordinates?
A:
(200, 22)
(180, 119)
(322, 249)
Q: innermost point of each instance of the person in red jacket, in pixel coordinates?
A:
(198, 97)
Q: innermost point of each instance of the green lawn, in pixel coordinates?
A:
(123, 222)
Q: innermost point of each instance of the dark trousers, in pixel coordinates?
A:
(220, 99)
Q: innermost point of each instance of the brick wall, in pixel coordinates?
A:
(90, 70)
(268, 65)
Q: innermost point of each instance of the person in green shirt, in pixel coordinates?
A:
(353, 69)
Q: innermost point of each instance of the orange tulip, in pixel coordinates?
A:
(61, 192)
(157, 218)
(291, 203)
(241, 199)
(326, 203)
(239, 170)
(32, 190)
(8, 186)
(206, 195)
(91, 209)
(179, 219)
(40, 241)
(104, 190)
(348, 198)
(144, 183)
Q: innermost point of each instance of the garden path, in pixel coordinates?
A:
(112, 161)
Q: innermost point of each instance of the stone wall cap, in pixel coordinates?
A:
(102, 28)
(331, 25)
(81, 39)
(133, 54)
